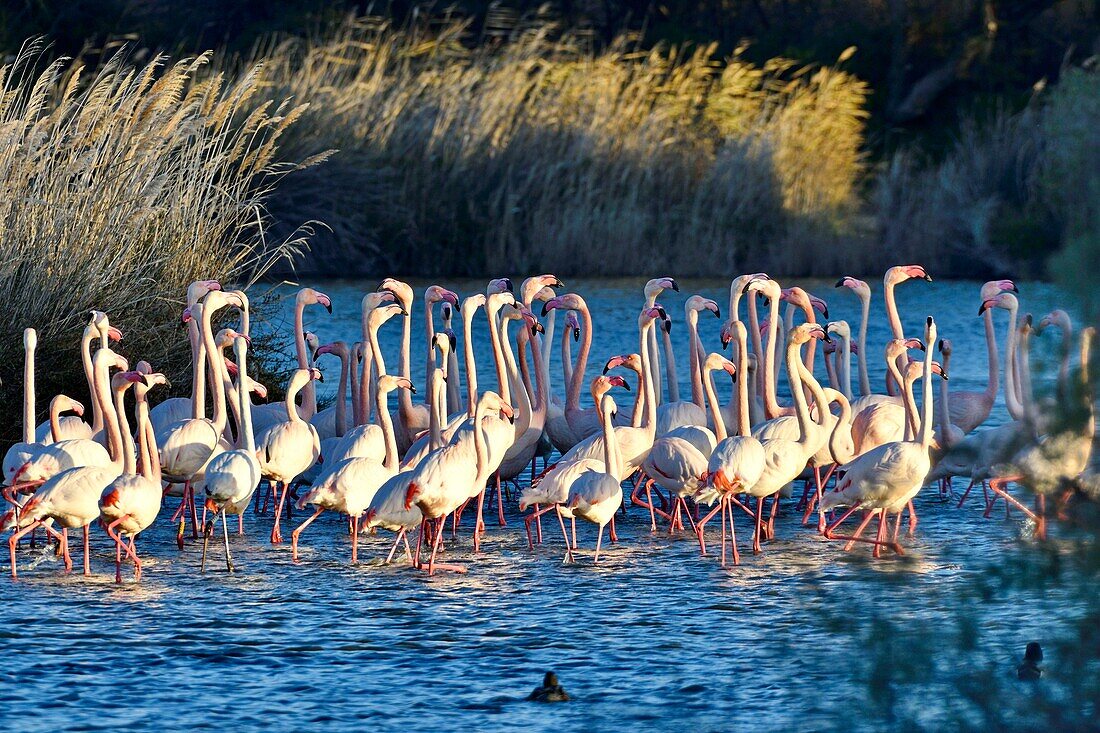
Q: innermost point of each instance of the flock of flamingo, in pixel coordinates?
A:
(691, 457)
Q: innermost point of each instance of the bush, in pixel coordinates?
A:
(533, 151)
(122, 185)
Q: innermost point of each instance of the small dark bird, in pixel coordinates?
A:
(550, 691)
(1030, 670)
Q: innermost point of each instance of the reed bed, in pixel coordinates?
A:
(467, 156)
(121, 185)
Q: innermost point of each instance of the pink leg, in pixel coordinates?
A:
(912, 518)
(565, 536)
(87, 558)
(867, 517)
(599, 538)
(396, 542)
(296, 533)
(14, 540)
(355, 540)
(276, 532)
(500, 504)
(756, 550)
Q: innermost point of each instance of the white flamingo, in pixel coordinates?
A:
(130, 504)
(595, 495)
(175, 409)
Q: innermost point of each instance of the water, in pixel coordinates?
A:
(655, 637)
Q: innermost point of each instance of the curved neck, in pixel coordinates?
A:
(429, 336)
(521, 399)
(542, 377)
(353, 377)
(909, 402)
(55, 422)
(28, 397)
(309, 396)
(404, 366)
(842, 452)
(573, 398)
(150, 459)
(471, 365)
(498, 356)
(864, 377)
(217, 365)
(794, 376)
(715, 409)
(755, 340)
(341, 398)
(389, 437)
(994, 378)
(771, 404)
(649, 420)
(892, 368)
(566, 358)
(926, 407)
(375, 352)
(693, 359)
(547, 338)
(129, 460)
(86, 360)
(110, 419)
(1013, 403)
(670, 368)
(846, 367)
(821, 400)
(365, 365)
(892, 310)
(246, 439)
(292, 391)
(480, 452)
(454, 394)
(945, 407)
(611, 457)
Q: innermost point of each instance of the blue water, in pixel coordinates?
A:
(655, 637)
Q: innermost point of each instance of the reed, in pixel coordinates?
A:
(462, 155)
(121, 184)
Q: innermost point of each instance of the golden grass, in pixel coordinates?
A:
(536, 152)
(120, 185)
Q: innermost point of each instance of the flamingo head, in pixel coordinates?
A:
(64, 403)
(315, 374)
(945, 347)
(993, 288)
(471, 303)
(383, 313)
(339, 348)
(401, 291)
(435, 294)
(375, 299)
(568, 301)
(841, 329)
(198, 290)
(529, 319)
(1004, 300)
(901, 273)
(388, 383)
(657, 285)
(532, 287)
(809, 303)
(446, 341)
(1057, 318)
(715, 361)
(857, 286)
(110, 498)
(630, 361)
(725, 334)
(617, 381)
(805, 332)
(699, 304)
(572, 324)
(765, 286)
(500, 285)
(226, 337)
(257, 389)
(648, 315)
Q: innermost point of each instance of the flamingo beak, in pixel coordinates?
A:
(914, 344)
(114, 334)
(325, 301)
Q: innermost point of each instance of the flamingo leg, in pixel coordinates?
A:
(396, 542)
(240, 524)
(14, 539)
(966, 493)
(87, 558)
(573, 529)
(912, 517)
(565, 535)
(998, 487)
(276, 532)
(297, 533)
(700, 526)
(756, 550)
(225, 538)
(725, 510)
(355, 540)
(500, 504)
(614, 537)
(867, 517)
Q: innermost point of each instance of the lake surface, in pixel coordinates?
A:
(655, 637)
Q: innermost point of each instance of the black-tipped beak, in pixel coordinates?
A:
(576, 334)
(328, 307)
(508, 284)
(717, 312)
(825, 312)
(320, 377)
(675, 287)
(557, 284)
(667, 325)
(538, 328)
(943, 375)
(412, 389)
(454, 341)
(840, 283)
(544, 310)
(403, 311)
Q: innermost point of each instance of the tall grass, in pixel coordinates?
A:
(120, 185)
(535, 151)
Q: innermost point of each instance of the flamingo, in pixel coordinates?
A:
(557, 427)
(862, 291)
(175, 409)
(332, 422)
(288, 448)
(969, 409)
(349, 488)
(885, 480)
(652, 290)
(595, 495)
(676, 412)
(369, 303)
(19, 453)
(447, 477)
(233, 476)
(265, 416)
(130, 504)
(552, 492)
(188, 445)
(71, 498)
(1055, 462)
(413, 419)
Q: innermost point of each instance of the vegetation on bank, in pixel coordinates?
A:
(121, 185)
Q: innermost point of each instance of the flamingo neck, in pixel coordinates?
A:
(864, 377)
(404, 365)
(566, 358)
(101, 394)
(771, 404)
(547, 338)
(389, 437)
(28, 398)
(1013, 402)
(744, 428)
(892, 310)
(522, 401)
(926, 407)
(309, 395)
(542, 377)
(55, 422)
(150, 459)
(841, 454)
(715, 409)
(670, 368)
(341, 398)
(573, 399)
(993, 358)
(612, 457)
(492, 311)
(846, 367)
(353, 378)
(246, 438)
(438, 412)
(794, 376)
(216, 367)
(429, 337)
(480, 452)
(945, 407)
(649, 420)
(129, 459)
(292, 390)
(86, 360)
(365, 366)
(693, 359)
(757, 344)
(471, 365)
